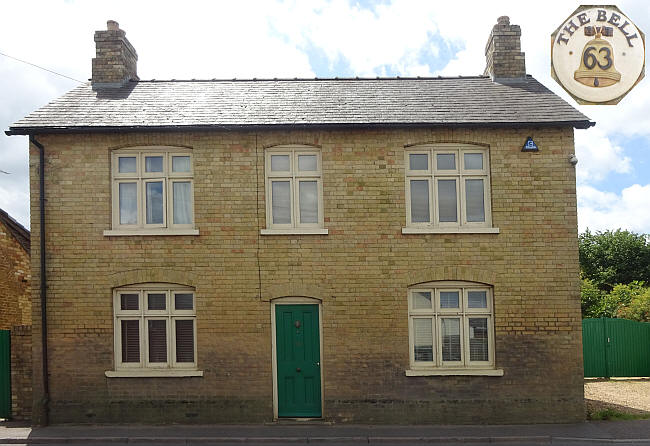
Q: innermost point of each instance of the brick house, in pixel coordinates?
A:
(361, 250)
(15, 320)
(15, 273)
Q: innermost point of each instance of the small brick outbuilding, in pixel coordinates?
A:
(16, 312)
(15, 273)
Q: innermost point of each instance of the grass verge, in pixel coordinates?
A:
(615, 415)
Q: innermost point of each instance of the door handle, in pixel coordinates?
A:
(318, 364)
(298, 369)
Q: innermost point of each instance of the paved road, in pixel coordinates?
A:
(554, 442)
(635, 433)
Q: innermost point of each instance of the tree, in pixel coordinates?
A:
(591, 299)
(638, 307)
(612, 257)
(631, 301)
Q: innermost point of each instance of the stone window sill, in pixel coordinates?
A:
(161, 373)
(295, 231)
(455, 372)
(133, 232)
(455, 230)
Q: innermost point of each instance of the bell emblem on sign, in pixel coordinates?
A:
(597, 64)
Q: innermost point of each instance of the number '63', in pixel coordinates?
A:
(590, 58)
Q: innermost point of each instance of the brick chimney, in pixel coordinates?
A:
(116, 61)
(503, 56)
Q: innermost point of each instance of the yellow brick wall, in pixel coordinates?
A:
(361, 271)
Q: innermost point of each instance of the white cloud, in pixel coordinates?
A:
(631, 117)
(599, 210)
(391, 35)
(597, 156)
(15, 201)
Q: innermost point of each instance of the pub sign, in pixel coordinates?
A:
(598, 54)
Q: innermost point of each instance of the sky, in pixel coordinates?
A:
(324, 38)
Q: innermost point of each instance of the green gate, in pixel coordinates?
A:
(5, 374)
(615, 348)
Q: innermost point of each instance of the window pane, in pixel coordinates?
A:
(128, 193)
(184, 341)
(157, 341)
(474, 199)
(423, 339)
(184, 301)
(477, 299)
(130, 341)
(155, 202)
(421, 300)
(308, 201)
(446, 161)
(307, 163)
(182, 202)
(418, 161)
(449, 299)
(181, 164)
(280, 163)
(129, 302)
(450, 339)
(153, 163)
(281, 202)
(156, 301)
(478, 339)
(447, 200)
(420, 201)
(127, 164)
(473, 161)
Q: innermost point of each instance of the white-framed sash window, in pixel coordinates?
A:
(155, 327)
(451, 326)
(294, 190)
(153, 191)
(448, 188)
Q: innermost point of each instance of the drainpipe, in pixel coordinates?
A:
(41, 204)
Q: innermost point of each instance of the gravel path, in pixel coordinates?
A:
(624, 394)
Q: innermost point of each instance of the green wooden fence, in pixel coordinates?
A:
(615, 348)
(5, 374)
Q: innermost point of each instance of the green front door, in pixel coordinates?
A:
(298, 355)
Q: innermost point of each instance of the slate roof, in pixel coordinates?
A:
(18, 231)
(458, 101)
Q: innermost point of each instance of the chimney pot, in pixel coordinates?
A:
(503, 20)
(112, 25)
